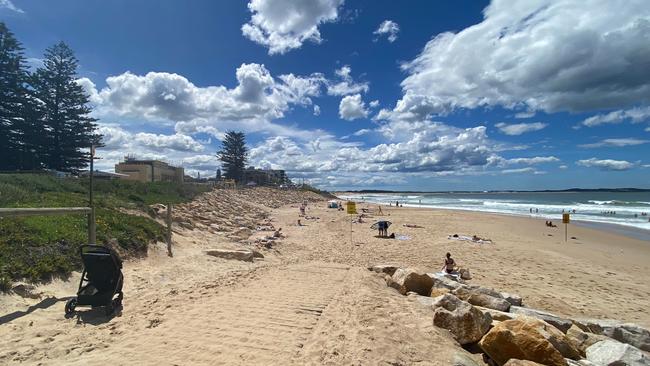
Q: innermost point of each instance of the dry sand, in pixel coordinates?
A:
(311, 300)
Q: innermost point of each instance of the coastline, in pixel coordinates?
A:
(621, 229)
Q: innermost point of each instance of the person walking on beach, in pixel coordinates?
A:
(449, 264)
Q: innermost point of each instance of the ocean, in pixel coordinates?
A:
(626, 209)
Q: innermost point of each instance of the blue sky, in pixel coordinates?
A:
(367, 94)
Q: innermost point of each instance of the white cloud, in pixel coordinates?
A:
(525, 114)
(635, 115)
(518, 171)
(7, 4)
(159, 97)
(352, 107)
(563, 167)
(374, 104)
(389, 28)
(174, 142)
(346, 85)
(606, 164)
(519, 128)
(533, 160)
(283, 25)
(616, 143)
(647, 129)
(550, 55)
(316, 110)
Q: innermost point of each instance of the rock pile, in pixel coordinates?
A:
(235, 213)
(508, 333)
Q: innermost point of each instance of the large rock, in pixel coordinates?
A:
(465, 322)
(465, 292)
(496, 314)
(435, 292)
(462, 358)
(238, 254)
(558, 322)
(527, 338)
(465, 274)
(614, 353)
(445, 281)
(423, 300)
(623, 332)
(409, 279)
(383, 268)
(583, 340)
(513, 299)
(516, 362)
(489, 302)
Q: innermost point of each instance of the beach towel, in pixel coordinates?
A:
(403, 237)
(469, 238)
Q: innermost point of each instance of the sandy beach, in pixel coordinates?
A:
(311, 299)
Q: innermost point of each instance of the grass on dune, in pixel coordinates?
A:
(38, 247)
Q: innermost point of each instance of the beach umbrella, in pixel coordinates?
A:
(375, 226)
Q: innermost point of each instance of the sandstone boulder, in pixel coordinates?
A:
(527, 338)
(583, 340)
(496, 314)
(238, 254)
(465, 292)
(489, 302)
(465, 274)
(465, 322)
(623, 332)
(409, 279)
(445, 281)
(516, 362)
(558, 322)
(422, 300)
(513, 299)
(435, 292)
(614, 353)
(462, 358)
(383, 268)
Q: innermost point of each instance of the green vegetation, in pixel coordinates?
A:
(38, 247)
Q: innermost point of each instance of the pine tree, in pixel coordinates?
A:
(234, 155)
(63, 105)
(15, 124)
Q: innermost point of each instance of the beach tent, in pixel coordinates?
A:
(375, 226)
(332, 204)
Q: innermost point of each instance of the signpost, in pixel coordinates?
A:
(566, 218)
(351, 210)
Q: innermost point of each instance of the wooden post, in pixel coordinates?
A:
(169, 230)
(92, 233)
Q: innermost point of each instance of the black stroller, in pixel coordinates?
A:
(100, 281)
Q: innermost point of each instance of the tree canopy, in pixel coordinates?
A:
(233, 155)
(45, 118)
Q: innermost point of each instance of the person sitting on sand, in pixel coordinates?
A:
(278, 233)
(449, 264)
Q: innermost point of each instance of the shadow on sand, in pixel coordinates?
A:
(43, 304)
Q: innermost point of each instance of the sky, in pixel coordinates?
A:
(366, 94)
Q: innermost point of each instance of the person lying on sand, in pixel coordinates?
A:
(413, 226)
(450, 264)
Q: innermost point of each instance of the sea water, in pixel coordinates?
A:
(630, 209)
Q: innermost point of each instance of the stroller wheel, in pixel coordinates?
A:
(70, 306)
(109, 309)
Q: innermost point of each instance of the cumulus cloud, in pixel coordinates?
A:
(519, 171)
(316, 110)
(519, 128)
(283, 25)
(352, 107)
(174, 142)
(606, 164)
(7, 4)
(533, 160)
(550, 55)
(634, 115)
(346, 84)
(616, 143)
(250, 106)
(388, 28)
